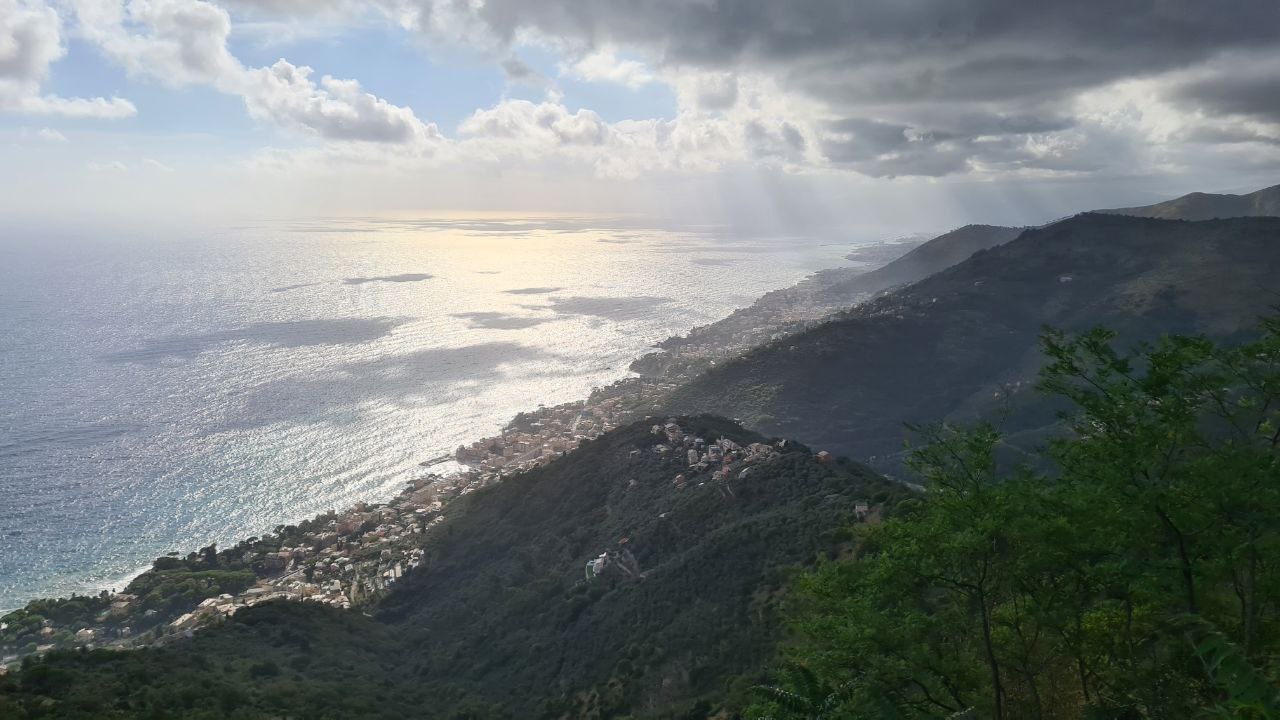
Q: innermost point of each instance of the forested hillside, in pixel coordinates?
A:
(934, 256)
(964, 341)
(1136, 578)
(503, 619)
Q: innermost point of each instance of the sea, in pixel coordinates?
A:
(162, 390)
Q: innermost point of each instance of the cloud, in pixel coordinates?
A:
(30, 42)
(977, 50)
(712, 91)
(178, 42)
(520, 131)
(784, 142)
(518, 72)
(605, 66)
(878, 88)
(333, 109)
(528, 127)
(984, 86)
(184, 42)
(102, 108)
(1247, 86)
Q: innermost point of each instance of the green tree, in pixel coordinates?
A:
(1057, 593)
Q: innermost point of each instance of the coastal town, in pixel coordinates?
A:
(348, 559)
(351, 558)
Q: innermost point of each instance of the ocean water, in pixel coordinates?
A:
(162, 391)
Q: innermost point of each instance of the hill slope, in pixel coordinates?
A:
(934, 256)
(502, 620)
(1207, 206)
(816, 298)
(948, 346)
(792, 309)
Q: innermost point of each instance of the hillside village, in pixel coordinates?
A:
(352, 558)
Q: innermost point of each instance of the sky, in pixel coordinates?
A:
(888, 115)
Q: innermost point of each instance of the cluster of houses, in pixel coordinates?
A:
(540, 435)
(725, 458)
(345, 560)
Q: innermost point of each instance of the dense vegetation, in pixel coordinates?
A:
(502, 615)
(23, 630)
(500, 620)
(281, 660)
(963, 343)
(1139, 580)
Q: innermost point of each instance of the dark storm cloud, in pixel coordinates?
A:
(865, 50)
(931, 87)
(1247, 95)
(786, 142)
(882, 149)
(1227, 136)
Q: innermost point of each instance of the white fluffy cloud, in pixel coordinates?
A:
(605, 66)
(178, 42)
(332, 109)
(30, 42)
(184, 42)
(527, 131)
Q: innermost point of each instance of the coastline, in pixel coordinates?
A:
(351, 557)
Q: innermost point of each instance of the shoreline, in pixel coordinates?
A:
(351, 557)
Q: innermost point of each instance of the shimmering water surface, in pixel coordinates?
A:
(159, 393)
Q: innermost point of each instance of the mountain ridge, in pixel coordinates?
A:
(947, 347)
(1208, 206)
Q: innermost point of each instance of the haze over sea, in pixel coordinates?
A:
(158, 393)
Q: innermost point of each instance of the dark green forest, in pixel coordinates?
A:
(1139, 579)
